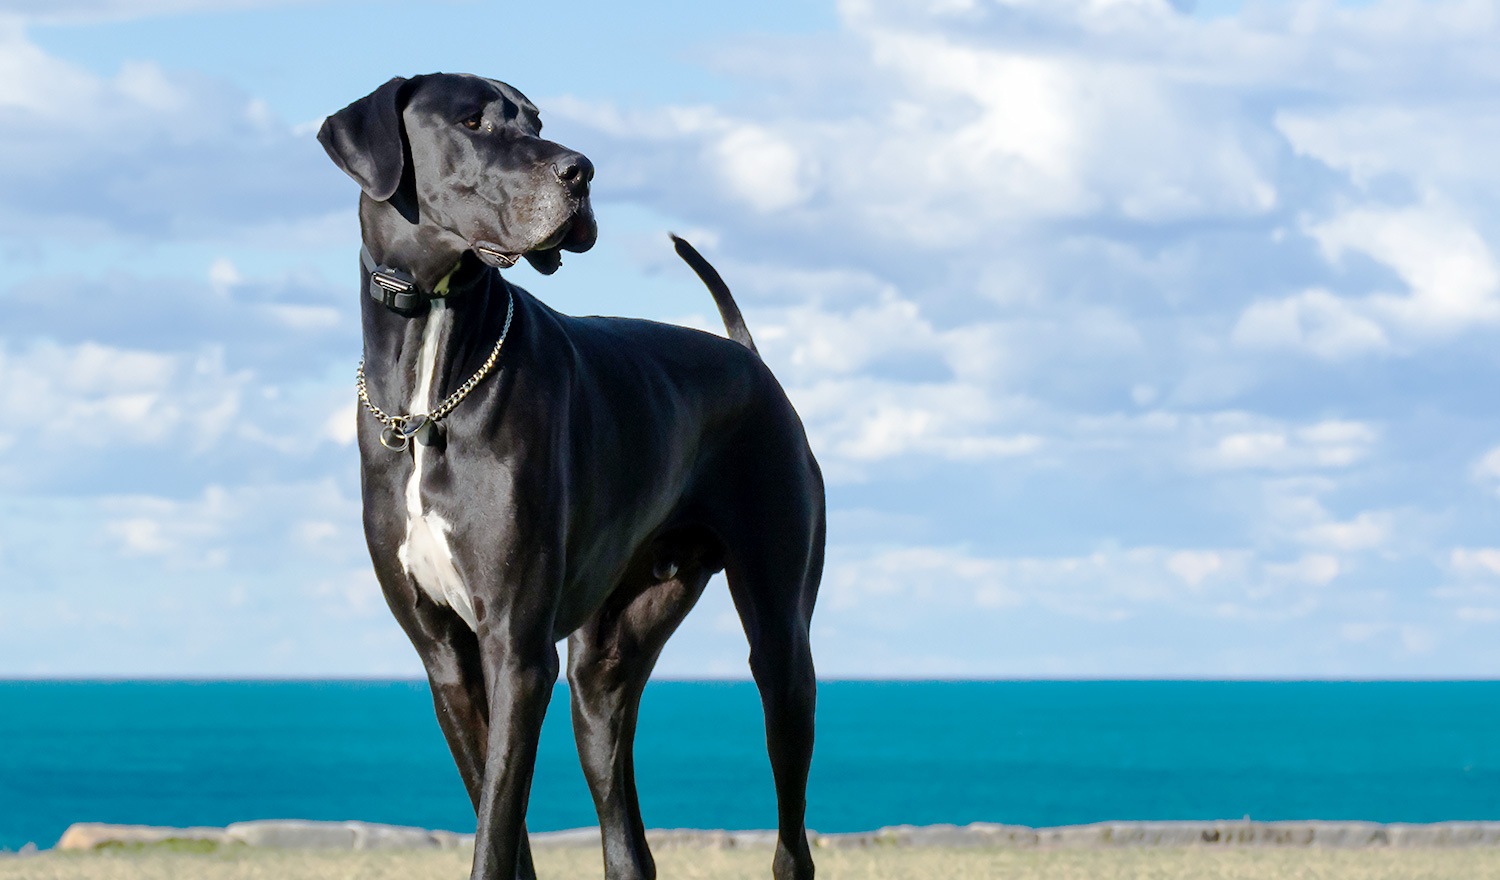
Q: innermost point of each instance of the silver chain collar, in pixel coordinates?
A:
(400, 430)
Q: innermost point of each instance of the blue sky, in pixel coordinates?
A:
(1137, 338)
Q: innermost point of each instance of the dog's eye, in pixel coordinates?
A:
(473, 122)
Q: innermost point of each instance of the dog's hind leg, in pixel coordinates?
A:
(773, 574)
(609, 660)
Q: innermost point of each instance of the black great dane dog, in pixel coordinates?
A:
(530, 476)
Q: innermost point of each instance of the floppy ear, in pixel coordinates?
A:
(367, 141)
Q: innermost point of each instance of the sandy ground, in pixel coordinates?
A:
(699, 864)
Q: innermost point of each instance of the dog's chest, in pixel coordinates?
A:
(426, 553)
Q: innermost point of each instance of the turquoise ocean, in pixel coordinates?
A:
(1026, 752)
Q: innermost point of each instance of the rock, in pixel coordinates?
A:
(1445, 834)
(688, 838)
(293, 834)
(91, 835)
(759, 839)
(304, 834)
(1102, 835)
(972, 835)
(453, 840)
(695, 838)
(370, 836)
(301, 834)
(573, 837)
(991, 834)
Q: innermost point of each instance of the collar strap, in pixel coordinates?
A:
(397, 290)
(392, 288)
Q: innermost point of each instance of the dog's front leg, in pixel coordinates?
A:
(520, 669)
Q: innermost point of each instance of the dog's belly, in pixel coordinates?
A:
(425, 554)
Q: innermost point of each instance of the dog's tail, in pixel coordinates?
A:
(734, 322)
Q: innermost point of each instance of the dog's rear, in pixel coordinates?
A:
(773, 576)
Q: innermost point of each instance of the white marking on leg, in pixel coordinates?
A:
(425, 554)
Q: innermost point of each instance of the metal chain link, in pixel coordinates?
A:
(399, 430)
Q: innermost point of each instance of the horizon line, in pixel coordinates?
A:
(1017, 679)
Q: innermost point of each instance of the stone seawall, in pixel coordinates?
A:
(299, 834)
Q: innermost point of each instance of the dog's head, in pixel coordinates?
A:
(462, 157)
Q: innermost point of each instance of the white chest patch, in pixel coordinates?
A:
(425, 554)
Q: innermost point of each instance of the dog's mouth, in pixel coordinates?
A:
(577, 234)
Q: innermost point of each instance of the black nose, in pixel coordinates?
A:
(575, 171)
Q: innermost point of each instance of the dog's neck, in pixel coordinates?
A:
(452, 336)
(429, 253)
(447, 273)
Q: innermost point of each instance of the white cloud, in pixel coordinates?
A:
(185, 534)
(1447, 265)
(90, 11)
(1102, 586)
(1361, 631)
(1124, 586)
(1478, 615)
(140, 536)
(1315, 320)
(1438, 142)
(1194, 565)
(762, 168)
(223, 274)
(144, 154)
(818, 342)
(34, 82)
(91, 395)
(266, 578)
(236, 525)
(1475, 561)
(1418, 639)
(302, 317)
(1294, 516)
(864, 421)
(1316, 569)
(1452, 280)
(1018, 146)
(1474, 595)
(343, 424)
(954, 138)
(1369, 530)
(1487, 469)
(1333, 443)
